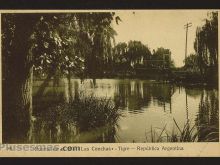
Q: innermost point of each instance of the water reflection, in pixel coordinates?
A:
(207, 119)
(144, 103)
(54, 132)
(136, 95)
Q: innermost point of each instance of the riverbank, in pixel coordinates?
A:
(179, 81)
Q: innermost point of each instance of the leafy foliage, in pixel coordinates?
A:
(206, 45)
(75, 44)
(133, 55)
(161, 58)
(191, 63)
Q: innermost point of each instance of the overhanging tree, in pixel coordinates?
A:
(206, 47)
(47, 43)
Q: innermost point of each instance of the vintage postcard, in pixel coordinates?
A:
(111, 83)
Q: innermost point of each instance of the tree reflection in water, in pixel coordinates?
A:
(54, 124)
(137, 95)
(82, 119)
(207, 120)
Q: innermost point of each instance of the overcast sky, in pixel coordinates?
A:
(161, 28)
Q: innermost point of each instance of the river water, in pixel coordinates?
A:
(145, 106)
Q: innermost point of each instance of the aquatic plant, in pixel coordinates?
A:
(86, 112)
(187, 134)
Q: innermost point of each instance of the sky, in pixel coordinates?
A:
(161, 28)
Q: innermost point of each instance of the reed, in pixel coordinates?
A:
(86, 112)
(187, 134)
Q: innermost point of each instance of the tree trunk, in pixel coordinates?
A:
(76, 90)
(69, 87)
(17, 86)
(17, 105)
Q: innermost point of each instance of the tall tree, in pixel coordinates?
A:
(137, 52)
(48, 43)
(161, 58)
(206, 45)
(191, 63)
(102, 35)
(18, 73)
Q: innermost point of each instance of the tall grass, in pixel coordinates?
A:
(187, 134)
(86, 112)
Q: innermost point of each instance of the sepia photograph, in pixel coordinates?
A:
(113, 76)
